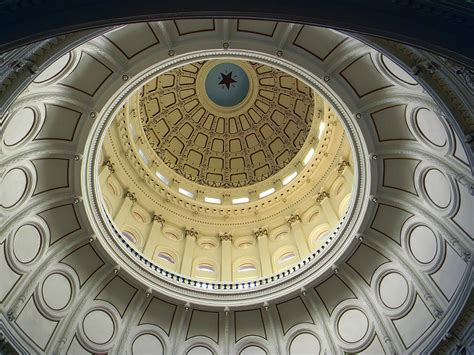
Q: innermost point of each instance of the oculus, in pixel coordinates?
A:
(227, 84)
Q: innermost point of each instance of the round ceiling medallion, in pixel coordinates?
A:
(98, 326)
(57, 291)
(352, 325)
(393, 290)
(19, 126)
(423, 244)
(437, 188)
(27, 243)
(227, 84)
(17, 182)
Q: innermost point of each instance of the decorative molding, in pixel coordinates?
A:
(225, 237)
(342, 165)
(131, 196)
(191, 233)
(261, 232)
(321, 196)
(294, 218)
(109, 166)
(159, 219)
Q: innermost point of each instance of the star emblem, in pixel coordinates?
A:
(226, 79)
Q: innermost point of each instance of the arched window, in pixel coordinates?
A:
(319, 239)
(166, 257)
(138, 216)
(206, 267)
(286, 257)
(247, 267)
(130, 237)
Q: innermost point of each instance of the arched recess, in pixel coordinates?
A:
(284, 257)
(147, 343)
(205, 269)
(344, 205)
(305, 344)
(317, 236)
(245, 269)
(166, 257)
(132, 235)
(200, 350)
(253, 350)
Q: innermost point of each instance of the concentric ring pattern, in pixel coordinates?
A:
(395, 284)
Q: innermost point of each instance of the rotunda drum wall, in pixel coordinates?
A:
(203, 174)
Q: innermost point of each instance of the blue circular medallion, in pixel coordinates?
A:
(227, 84)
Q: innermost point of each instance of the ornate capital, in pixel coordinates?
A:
(192, 233)
(342, 165)
(131, 196)
(158, 219)
(321, 196)
(110, 166)
(225, 237)
(261, 232)
(293, 219)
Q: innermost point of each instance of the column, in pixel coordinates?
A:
(187, 262)
(298, 234)
(154, 235)
(345, 170)
(264, 251)
(328, 210)
(226, 254)
(124, 211)
(106, 170)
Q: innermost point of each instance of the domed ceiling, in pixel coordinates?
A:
(226, 124)
(233, 164)
(360, 242)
